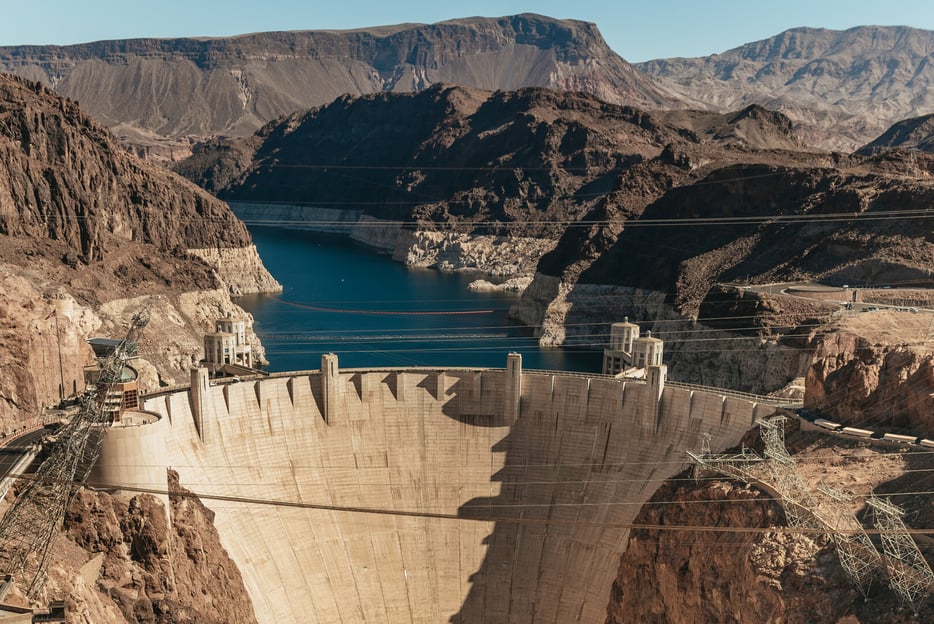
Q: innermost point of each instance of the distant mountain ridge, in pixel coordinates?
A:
(232, 86)
(842, 88)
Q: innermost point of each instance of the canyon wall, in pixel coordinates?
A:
(740, 355)
(499, 256)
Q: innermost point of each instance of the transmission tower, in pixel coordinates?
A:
(858, 556)
(909, 573)
(799, 503)
(30, 524)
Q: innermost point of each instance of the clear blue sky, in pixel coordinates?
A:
(637, 30)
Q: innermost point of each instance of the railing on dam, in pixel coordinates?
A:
(317, 371)
(748, 396)
(758, 398)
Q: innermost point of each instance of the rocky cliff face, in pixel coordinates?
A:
(724, 572)
(232, 86)
(137, 561)
(877, 370)
(90, 235)
(882, 74)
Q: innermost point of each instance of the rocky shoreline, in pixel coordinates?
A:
(240, 269)
(502, 257)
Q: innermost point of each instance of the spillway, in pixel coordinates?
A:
(412, 495)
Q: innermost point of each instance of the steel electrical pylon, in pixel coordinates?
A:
(909, 573)
(30, 524)
(858, 557)
(799, 503)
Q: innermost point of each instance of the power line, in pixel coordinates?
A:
(443, 516)
(890, 215)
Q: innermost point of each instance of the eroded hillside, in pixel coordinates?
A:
(842, 88)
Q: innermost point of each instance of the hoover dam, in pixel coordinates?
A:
(423, 495)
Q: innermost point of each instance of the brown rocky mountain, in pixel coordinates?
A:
(65, 178)
(232, 86)
(93, 233)
(910, 134)
(523, 162)
(841, 88)
(518, 161)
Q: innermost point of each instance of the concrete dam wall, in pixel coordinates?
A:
(429, 496)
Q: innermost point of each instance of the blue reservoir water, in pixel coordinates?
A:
(344, 298)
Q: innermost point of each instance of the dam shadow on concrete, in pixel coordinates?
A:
(582, 457)
(547, 548)
(456, 409)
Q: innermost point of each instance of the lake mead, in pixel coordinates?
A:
(345, 298)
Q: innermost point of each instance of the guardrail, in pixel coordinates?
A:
(16, 471)
(758, 398)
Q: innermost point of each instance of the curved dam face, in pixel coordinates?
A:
(468, 496)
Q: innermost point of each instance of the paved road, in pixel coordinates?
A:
(15, 448)
(798, 290)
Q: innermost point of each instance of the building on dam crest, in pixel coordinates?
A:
(629, 353)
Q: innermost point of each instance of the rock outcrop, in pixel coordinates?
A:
(142, 562)
(498, 256)
(876, 371)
